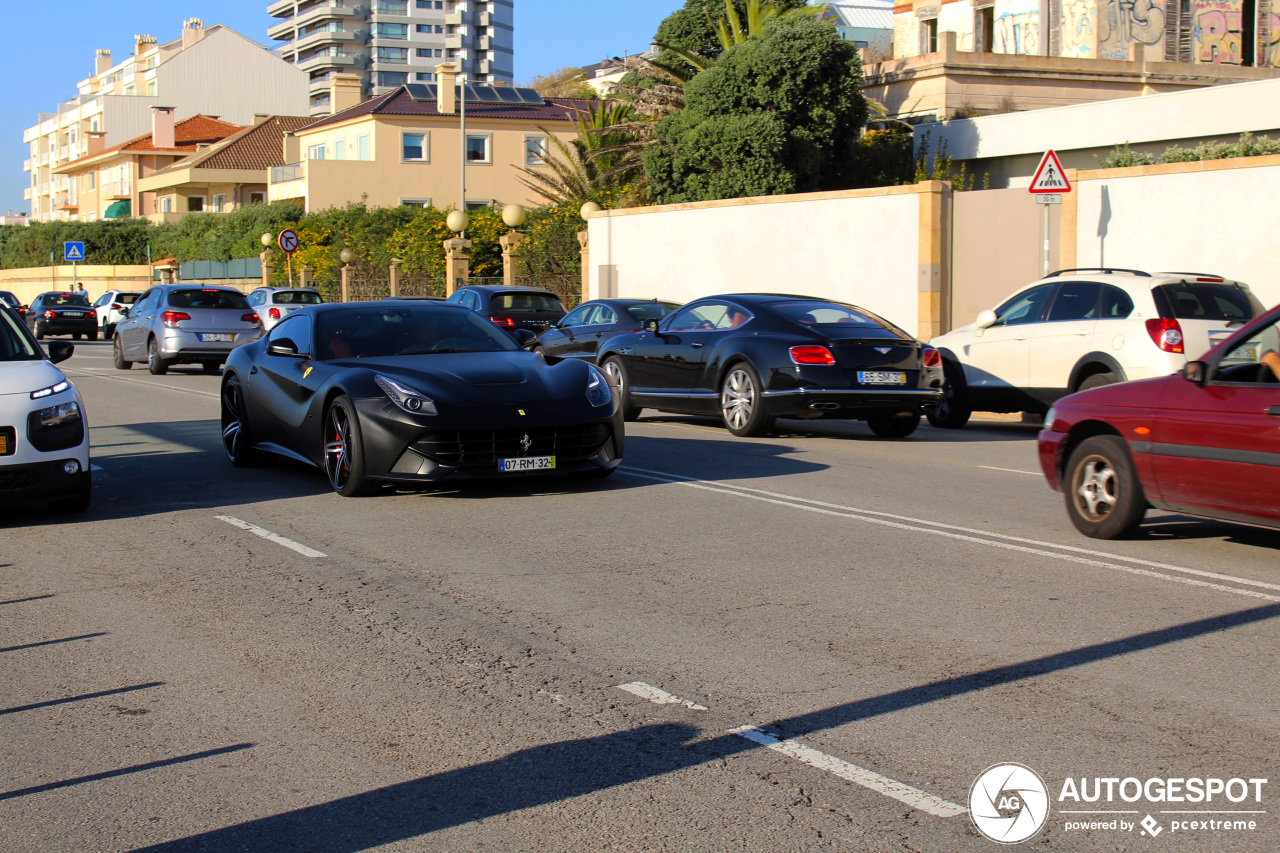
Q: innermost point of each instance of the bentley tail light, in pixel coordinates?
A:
(172, 318)
(1166, 333)
(932, 358)
(812, 355)
(504, 322)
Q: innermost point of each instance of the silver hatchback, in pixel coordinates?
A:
(273, 304)
(185, 324)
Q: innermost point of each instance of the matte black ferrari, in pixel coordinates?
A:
(753, 358)
(407, 393)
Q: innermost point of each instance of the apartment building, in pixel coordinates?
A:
(211, 71)
(391, 43)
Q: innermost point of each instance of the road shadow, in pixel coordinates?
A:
(560, 771)
(977, 430)
(1172, 528)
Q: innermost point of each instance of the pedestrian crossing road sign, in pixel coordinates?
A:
(73, 251)
(1050, 177)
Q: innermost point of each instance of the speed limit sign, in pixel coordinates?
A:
(288, 240)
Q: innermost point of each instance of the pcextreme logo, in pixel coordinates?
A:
(1009, 803)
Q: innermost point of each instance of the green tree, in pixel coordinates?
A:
(775, 114)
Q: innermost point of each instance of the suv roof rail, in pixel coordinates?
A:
(1194, 274)
(1103, 270)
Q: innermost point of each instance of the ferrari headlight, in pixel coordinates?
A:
(406, 398)
(51, 390)
(598, 391)
(64, 413)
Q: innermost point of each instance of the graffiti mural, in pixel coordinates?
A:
(1018, 27)
(1079, 28)
(1269, 45)
(1124, 22)
(1216, 32)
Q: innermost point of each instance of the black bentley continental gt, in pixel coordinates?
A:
(407, 393)
(753, 358)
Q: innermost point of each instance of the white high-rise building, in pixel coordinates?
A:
(393, 42)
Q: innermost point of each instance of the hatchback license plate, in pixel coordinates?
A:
(528, 463)
(4, 445)
(880, 377)
(217, 337)
(1217, 337)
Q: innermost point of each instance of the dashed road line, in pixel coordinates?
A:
(273, 537)
(869, 779)
(1011, 470)
(93, 373)
(967, 534)
(659, 697)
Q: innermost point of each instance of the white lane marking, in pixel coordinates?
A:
(93, 467)
(148, 384)
(659, 697)
(1011, 470)
(916, 525)
(274, 537)
(913, 797)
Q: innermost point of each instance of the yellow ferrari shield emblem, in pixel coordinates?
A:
(521, 411)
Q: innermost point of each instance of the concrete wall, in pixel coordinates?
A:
(880, 249)
(26, 284)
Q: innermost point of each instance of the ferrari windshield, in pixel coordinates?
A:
(378, 330)
(14, 345)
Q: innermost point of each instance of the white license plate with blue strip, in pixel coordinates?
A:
(528, 463)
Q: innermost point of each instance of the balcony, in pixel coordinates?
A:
(282, 31)
(322, 37)
(64, 153)
(454, 42)
(484, 43)
(484, 19)
(66, 200)
(26, 165)
(26, 194)
(281, 9)
(322, 12)
(454, 18)
(289, 172)
(389, 7)
(116, 189)
(329, 60)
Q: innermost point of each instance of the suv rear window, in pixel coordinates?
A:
(126, 298)
(296, 297)
(207, 299)
(525, 302)
(1203, 301)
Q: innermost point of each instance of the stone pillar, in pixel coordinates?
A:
(394, 278)
(268, 268)
(304, 277)
(457, 263)
(346, 282)
(585, 242)
(511, 257)
(933, 285)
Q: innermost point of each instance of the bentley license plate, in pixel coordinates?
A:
(219, 337)
(528, 463)
(881, 377)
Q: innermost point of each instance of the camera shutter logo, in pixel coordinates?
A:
(1009, 803)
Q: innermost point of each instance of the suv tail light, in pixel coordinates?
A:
(812, 355)
(504, 322)
(172, 318)
(116, 306)
(251, 317)
(931, 357)
(1166, 333)
(274, 313)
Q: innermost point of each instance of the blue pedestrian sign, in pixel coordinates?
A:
(73, 251)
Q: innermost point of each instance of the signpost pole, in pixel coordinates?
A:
(289, 257)
(1046, 239)
(1048, 185)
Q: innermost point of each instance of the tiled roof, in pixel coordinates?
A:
(254, 148)
(399, 103)
(188, 135)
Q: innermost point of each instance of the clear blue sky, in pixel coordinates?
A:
(51, 44)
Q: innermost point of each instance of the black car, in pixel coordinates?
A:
(578, 335)
(62, 314)
(751, 358)
(512, 307)
(13, 302)
(406, 393)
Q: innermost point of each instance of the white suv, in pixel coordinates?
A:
(1081, 328)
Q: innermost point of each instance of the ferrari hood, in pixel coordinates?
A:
(488, 376)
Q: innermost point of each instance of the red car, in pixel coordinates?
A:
(1203, 442)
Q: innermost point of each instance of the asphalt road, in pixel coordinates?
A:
(219, 659)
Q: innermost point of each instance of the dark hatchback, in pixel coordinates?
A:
(62, 314)
(512, 308)
(578, 334)
(752, 358)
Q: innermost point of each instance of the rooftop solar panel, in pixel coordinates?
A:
(421, 91)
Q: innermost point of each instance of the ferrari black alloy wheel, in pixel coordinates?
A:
(343, 451)
(235, 433)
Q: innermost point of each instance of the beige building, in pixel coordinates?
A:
(105, 183)
(222, 176)
(405, 147)
(971, 57)
(211, 71)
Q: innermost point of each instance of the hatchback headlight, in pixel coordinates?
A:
(59, 415)
(51, 390)
(408, 399)
(598, 391)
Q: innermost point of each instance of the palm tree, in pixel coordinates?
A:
(591, 163)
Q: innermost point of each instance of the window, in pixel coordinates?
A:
(219, 203)
(415, 202)
(535, 150)
(340, 148)
(424, 52)
(316, 152)
(423, 28)
(1026, 307)
(93, 180)
(362, 147)
(986, 29)
(478, 148)
(1116, 304)
(391, 31)
(166, 204)
(390, 78)
(1076, 300)
(257, 198)
(94, 124)
(394, 55)
(296, 328)
(391, 7)
(440, 31)
(929, 36)
(706, 315)
(439, 52)
(425, 76)
(195, 203)
(415, 147)
(151, 88)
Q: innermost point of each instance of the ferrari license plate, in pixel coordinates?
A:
(217, 337)
(528, 463)
(881, 377)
